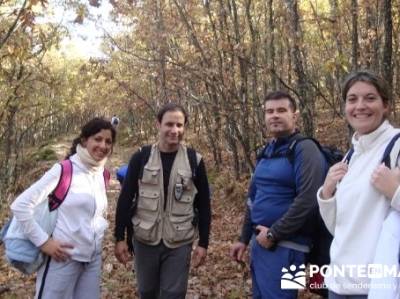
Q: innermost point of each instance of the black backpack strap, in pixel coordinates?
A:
(292, 146)
(192, 156)
(289, 153)
(349, 155)
(331, 154)
(145, 153)
(388, 155)
(300, 138)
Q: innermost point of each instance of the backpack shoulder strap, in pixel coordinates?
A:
(107, 177)
(390, 155)
(59, 193)
(145, 155)
(349, 155)
(296, 140)
(300, 138)
(194, 160)
(392, 152)
(290, 150)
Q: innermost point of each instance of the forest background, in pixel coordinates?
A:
(217, 57)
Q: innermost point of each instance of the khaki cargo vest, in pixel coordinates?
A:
(151, 223)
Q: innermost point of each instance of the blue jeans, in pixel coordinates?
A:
(266, 270)
(333, 295)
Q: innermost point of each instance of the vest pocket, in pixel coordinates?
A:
(185, 177)
(148, 199)
(144, 230)
(145, 219)
(150, 175)
(183, 206)
(181, 229)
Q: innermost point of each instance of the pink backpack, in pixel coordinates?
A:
(59, 193)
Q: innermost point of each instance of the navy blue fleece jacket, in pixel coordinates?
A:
(283, 192)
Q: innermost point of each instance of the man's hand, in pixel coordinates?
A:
(56, 250)
(262, 237)
(121, 252)
(238, 251)
(386, 180)
(199, 256)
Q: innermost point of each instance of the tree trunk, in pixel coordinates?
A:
(371, 36)
(303, 89)
(339, 46)
(270, 46)
(387, 69)
(161, 45)
(354, 35)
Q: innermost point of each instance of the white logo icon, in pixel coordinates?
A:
(293, 278)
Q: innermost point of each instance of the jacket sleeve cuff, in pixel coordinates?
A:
(275, 234)
(324, 200)
(327, 208)
(40, 239)
(245, 239)
(203, 243)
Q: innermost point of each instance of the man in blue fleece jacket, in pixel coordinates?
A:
(282, 200)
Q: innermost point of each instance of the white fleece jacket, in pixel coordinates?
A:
(81, 217)
(356, 213)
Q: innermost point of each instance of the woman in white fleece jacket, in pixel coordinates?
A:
(359, 201)
(74, 267)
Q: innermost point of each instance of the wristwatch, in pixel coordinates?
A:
(270, 236)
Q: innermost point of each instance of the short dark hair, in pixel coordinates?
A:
(279, 95)
(92, 127)
(369, 77)
(172, 107)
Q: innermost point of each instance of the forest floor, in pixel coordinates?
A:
(220, 277)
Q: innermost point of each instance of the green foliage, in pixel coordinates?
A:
(44, 154)
(235, 294)
(212, 175)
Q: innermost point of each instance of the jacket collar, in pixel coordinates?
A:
(285, 139)
(79, 163)
(364, 142)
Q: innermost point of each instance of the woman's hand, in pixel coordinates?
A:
(335, 174)
(56, 250)
(386, 180)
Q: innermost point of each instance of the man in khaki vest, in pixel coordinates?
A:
(171, 207)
